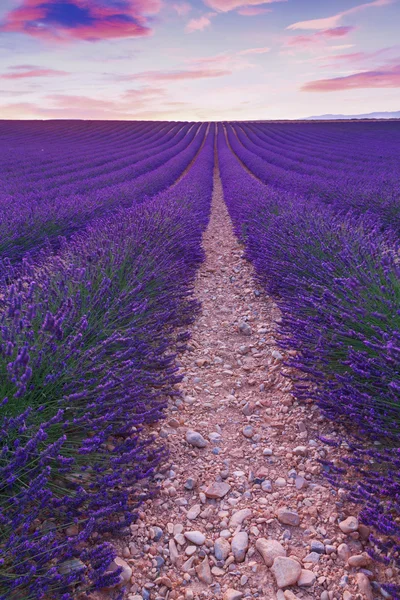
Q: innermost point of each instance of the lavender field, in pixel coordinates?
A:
(101, 227)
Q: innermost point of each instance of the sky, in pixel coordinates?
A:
(197, 60)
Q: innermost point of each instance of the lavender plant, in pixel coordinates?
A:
(88, 339)
(335, 275)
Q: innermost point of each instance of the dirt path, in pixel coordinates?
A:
(244, 461)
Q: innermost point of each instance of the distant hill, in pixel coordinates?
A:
(374, 115)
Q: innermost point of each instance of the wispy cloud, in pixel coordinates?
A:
(199, 24)
(178, 75)
(31, 71)
(227, 5)
(262, 50)
(252, 11)
(319, 37)
(335, 20)
(182, 8)
(81, 20)
(385, 77)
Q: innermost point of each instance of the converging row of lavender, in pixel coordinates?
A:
(89, 336)
(332, 264)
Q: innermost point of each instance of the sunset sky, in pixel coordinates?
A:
(197, 59)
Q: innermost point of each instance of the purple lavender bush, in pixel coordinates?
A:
(335, 275)
(88, 340)
(32, 215)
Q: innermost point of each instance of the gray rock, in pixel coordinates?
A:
(269, 550)
(240, 544)
(239, 516)
(188, 564)
(190, 483)
(221, 549)
(306, 579)
(194, 438)
(286, 571)
(232, 594)
(266, 486)
(300, 450)
(157, 533)
(244, 328)
(288, 516)
(196, 537)
(313, 557)
(318, 547)
(248, 409)
(349, 525)
(343, 552)
(193, 512)
(204, 572)
(280, 482)
(300, 482)
(173, 551)
(248, 431)
(217, 490)
(364, 585)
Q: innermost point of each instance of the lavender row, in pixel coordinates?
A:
(27, 224)
(50, 146)
(336, 278)
(372, 190)
(88, 339)
(115, 161)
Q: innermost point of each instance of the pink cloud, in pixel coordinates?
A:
(386, 77)
(227, 5)
(182, 8)
(263, 50)
(252, 11)
(319, 36)
(179, 75)
(26, 72)
(81, 20)
(355, 58)
(334, 21)
(199, 24)
(83, 107)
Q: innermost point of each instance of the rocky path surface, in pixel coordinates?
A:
(244, 511)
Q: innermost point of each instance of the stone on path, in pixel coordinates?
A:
(269, 550)
(288, 595)
(193, 512)
(343, 552)
(239, 516)
(240, 543)
(222, 549)
(204, 572)
(232, 594)
(244, 328)
(349, 525)
(307, 578)
(286, 571)
(217, 489)
(196, 537)
(364, 585)
(359, 560)
(288, 517)
(194, 438)
(173, 551)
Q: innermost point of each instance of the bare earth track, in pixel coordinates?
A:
(261, 451)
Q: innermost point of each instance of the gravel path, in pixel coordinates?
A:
(244, 486)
